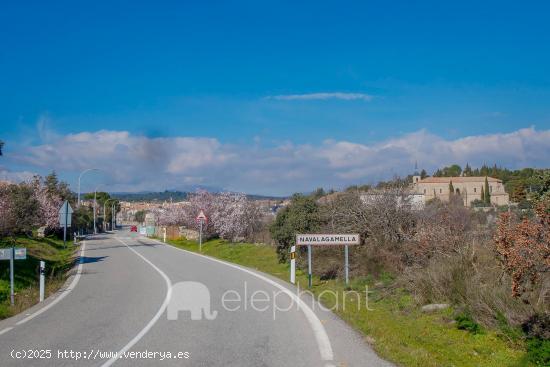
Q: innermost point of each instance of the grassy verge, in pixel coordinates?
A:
(393, 325)
(58, 260)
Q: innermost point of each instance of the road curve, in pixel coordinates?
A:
(139, 302)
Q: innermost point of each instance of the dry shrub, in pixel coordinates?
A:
(523, 246)
(442, 229)
(471, 279)
(384, 221)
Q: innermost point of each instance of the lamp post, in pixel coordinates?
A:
(104, 210)
(79, 177)
(113, 220)
(95, 208)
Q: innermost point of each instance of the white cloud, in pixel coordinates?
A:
(322, 96)
(140, 163)
(15, 176)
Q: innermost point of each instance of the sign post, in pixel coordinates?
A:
(309, 267)
(42, 273)
(310, 240)
(201, 219)
(65, 215)
(293, 265)
(12, 294)
(12, 254)
(346, 263)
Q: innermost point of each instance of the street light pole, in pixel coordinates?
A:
(95, 207)
(79, 177)
(95, 202)
(104, 211)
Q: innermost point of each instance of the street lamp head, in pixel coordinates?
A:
(79, 177)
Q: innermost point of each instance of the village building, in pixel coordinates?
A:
(469, 188)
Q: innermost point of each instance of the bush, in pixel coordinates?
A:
(537, 326)
(470, 280)
(464, 321)
(538, 351)
(301, 216)
(480, 204)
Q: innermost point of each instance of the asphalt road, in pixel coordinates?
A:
(127, 294)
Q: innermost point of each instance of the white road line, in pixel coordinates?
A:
(6, 330)
(323, 341)
(63, 293)
(155, 318)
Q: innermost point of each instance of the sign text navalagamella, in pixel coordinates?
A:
(327, 239)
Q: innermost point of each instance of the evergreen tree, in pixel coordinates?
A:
(494, 171)
(451, 188)
(487, 197)
(423, 174)
(467, 170)
(519, 193)
(482, 196)
(301, 216)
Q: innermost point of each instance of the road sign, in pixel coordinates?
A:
(310, 240)
(65, 214)
(201, 217)
(20, 253)
(5, 253)
(327, 239)
(201, 220)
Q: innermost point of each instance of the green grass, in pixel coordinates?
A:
(58, 260)
(395, 327)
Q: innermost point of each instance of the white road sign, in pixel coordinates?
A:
(327, 239)
(65, 214)
(201, 217)
(20, 253)
(5, 253)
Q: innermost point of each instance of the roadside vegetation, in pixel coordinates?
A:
(451, 286)
(58, 259)
(29, 218)
(394, 326)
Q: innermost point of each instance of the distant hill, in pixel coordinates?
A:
(172, 196)
(151, 196)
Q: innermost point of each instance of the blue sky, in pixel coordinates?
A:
(251, 76)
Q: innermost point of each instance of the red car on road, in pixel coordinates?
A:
(133, 229)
